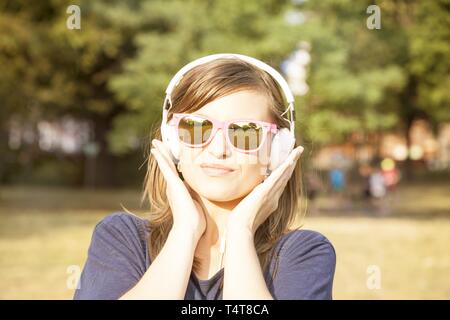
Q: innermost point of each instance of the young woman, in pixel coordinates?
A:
(220, 226)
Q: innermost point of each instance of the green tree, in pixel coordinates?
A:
(184, 31)
(114, 70)
(373, 80)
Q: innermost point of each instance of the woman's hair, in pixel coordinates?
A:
(199, 86)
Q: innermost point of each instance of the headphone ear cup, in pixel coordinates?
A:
(282, 145)
(170, 140)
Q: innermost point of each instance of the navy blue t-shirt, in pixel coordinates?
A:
(118, 258)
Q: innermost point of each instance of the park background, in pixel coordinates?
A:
(77, 107)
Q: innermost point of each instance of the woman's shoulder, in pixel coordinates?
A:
(121, 225)
(304, 242)
(120, 218)
(306, 266)
(117, 257)
(305, 235)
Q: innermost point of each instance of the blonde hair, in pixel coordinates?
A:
(198, 87)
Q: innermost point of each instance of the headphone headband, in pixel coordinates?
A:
(258, 63)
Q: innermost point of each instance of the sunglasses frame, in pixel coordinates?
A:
(217, 124)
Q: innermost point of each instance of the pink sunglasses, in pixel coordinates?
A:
(245, 135)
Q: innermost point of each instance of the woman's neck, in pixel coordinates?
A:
(216, 214)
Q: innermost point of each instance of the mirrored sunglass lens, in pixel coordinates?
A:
(194, 130)
(245, 135)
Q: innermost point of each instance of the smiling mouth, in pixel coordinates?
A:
(216, 171)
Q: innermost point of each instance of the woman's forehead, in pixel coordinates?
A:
(241, 104)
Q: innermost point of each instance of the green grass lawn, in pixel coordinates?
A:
(43, 231)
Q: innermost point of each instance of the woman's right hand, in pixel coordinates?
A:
(188, 214)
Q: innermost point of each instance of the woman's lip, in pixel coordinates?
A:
(214, 166)
(214, 171)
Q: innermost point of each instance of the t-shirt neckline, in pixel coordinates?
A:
(214, 277)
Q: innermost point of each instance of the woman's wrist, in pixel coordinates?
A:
(185, 233)
(238, 231)
(235, 226)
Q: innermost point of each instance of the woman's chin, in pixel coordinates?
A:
(219, 195)
(221, 188)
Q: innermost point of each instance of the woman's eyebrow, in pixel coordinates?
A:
(200, 114)
(235, 118)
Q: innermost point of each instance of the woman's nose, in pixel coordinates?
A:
(218, 145)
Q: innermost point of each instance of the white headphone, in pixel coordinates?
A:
(283, 141)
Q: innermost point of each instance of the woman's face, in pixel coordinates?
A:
(247, 168)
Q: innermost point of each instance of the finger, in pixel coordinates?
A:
(286, 175)
(296, 158)
(288, 163)
(164, 167)
(163, 151)
(280, 185)
(191, 191)
(295, 154)
(293, 159)
(277, 181)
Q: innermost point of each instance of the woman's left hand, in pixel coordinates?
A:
(257, 206)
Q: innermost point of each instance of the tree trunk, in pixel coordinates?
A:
(100, 169)
(409, 113)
